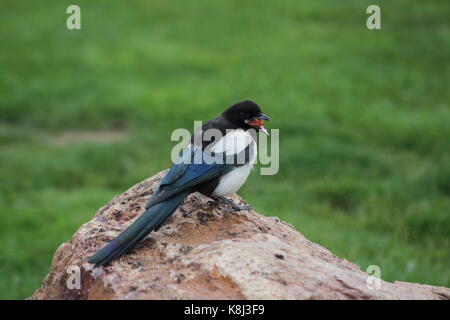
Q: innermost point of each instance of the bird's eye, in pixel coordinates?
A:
(244, 115)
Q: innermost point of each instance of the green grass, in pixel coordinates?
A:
(363, 116)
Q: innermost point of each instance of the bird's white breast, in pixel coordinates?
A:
(234, 142)
(233, 180)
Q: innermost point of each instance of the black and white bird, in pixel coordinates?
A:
(216, 163)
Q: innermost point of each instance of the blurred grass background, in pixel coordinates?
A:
(363, 116)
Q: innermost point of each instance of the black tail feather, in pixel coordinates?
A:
(153, 218)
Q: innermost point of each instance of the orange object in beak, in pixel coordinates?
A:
(257, 123)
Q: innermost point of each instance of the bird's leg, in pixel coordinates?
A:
(233, 206)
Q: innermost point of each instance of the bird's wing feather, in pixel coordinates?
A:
(192, 168)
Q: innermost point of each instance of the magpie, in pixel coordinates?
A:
(216, 163)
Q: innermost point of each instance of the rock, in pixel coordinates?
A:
(203, 253)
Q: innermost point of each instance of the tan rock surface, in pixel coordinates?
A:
(202, 253)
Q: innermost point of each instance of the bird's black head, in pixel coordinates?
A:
(246, 115)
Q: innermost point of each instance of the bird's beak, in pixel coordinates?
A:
(263, 116)
(264, 130)
(257, 122)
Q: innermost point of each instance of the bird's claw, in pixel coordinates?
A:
(237, 207)
(212, 203)
(233, 207)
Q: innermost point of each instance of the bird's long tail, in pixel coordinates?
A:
(152, 219)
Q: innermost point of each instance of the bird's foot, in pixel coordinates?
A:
(237, 207)
(233, 206)
(212, 203)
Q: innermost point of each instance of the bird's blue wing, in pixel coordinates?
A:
(191, 168)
